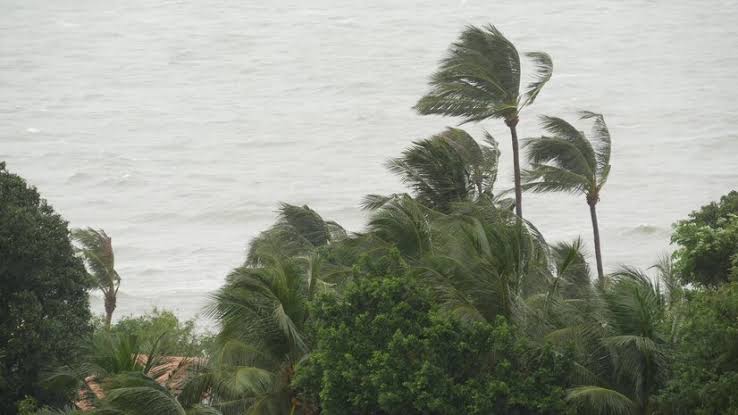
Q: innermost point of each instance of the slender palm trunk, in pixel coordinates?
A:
(109, 308)
(512, 124)
(596, 231)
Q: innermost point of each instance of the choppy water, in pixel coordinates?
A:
(177, 126)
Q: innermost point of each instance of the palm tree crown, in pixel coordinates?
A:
(567, 161)
(480, 79)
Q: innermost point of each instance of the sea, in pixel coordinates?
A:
(178, 126)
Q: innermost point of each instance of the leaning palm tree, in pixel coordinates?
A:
(97, 252)
(567, 161)
(480, 79)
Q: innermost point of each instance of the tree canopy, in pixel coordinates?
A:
(44, 306)
(707, 243)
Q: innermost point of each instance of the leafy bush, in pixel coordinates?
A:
(385, 349)
(708, 243)
(705, 369)
(178, 338)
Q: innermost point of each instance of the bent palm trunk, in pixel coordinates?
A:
(512, 123)
(596, 231)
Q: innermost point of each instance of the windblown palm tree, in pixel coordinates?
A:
(626, 349)
(567, 161)
(480, 79)
(97, 252)
(448, 167)
(262, 311)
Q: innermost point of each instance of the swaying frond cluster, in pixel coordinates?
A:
(298, 231)
(448, 167)
(480, 78)
(97, 252)
(565, 160)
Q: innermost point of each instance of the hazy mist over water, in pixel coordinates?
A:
(177, 126)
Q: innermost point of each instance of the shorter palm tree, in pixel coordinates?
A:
(567, 161)
(97, 252)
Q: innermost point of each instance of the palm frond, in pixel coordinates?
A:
(563, 130)
(140, 400)
(374, 201)
(298, 231)
(562, 153)
(446, 168)
(599, 400)
(601, 137)
(405, 223)
(202, 410)
(543, 71)
(545, 178)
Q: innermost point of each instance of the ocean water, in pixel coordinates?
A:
(177, 126)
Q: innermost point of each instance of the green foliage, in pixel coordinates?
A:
(299, 230)
(480, 78)
(448, 167)
(385, 349)
(44, 308)
(566, 160)
(178, 338)
(707, 252)
(262, 313)
(622, 330)
(97, 252)
(705, 368)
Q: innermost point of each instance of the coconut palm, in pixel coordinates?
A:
(97, 252)
(262, 311)
(477, 257)
(448, 167)
(484, 263)
(567, 161)
(109, 358)
(628, 342)
(480, 79)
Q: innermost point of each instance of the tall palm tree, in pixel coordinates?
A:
(97, 252)
(480, 79)
(567, 161)
(448, 167)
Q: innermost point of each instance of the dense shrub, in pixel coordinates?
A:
(707, 252)
(385, 349)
